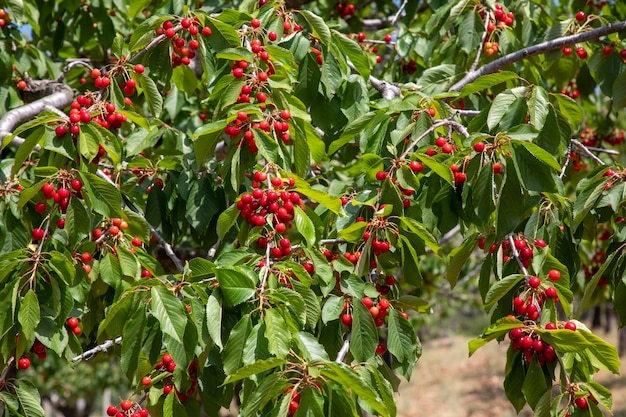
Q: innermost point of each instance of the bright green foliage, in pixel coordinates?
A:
(322, 178)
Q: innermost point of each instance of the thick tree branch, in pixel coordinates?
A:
(60, 99)
(538, 49)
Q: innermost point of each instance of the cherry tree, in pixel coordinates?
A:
(256, 200)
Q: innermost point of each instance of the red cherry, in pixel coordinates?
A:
(146, 381)
(381, 349)
(360, 36)
(60, 130)
(554, 275)
(38, 234)
(41, 207)
(139, 69)
(86, 256)
(581, 402)
(388, 38)
(540, 242)
(72, 322)
(580, 16)
(551, 292)
(570, 325)
(479, 147)
(347, 319)
(272, 36)
(76, 185)
(581, 52)
(136, 242)
(550, 326)
(112, 410)
(146, 273)
(77, 331)
(384, 304)
(126, 405)
(23, 363)
(367, 302)
(255, 23)
(534, 282)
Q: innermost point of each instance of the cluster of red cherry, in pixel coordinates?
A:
(183, 51)
(271, 208)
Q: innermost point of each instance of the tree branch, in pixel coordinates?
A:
(341, 355)
(587, 152)
(100, 348)
(536, 50)
(60, 99)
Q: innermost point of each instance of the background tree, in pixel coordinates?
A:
(317, 160)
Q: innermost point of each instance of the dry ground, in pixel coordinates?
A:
(446, 383)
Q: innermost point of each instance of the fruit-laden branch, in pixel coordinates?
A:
(540, 48)
(517, 257)
(100, 348)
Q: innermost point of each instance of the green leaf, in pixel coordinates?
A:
(353, 51)
(253, 369)
(25, 149)
(320, 29)
(350, 379)
(277, 334)
(214, 318)
(604, 355)
(168, 310)
(438, 168)
(331, 203)
(205, 138)
(601, 393)
(153, 96)
(510, 204)
(569, 109)
(233, 351)
(102, 197)
(28, 315)
(235, 285)
(501, 288)
(128, 262)
(353, 233)
(364, 336)
(533, 164)
(309, 347)
(401, 339)
(619, 91)
(407, 301)
(29, 399)
(235, 54)
(458, 257)
(538, 106)
(534, 386)
(304, 226)
(497, 329)
(77, 222)
(420, 230)
(185, 79)
(353, 130)
(565, 340)
(268, 389)
(131, 346)
(226, 220)
(332, 308)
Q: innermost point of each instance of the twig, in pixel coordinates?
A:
(482, 42)
(469, 113)
(457, 126)
(566, 163)
(100, 348)
(536, 50)
(398, 13)
(517, 257)
(7, 368)
(213, 251)
(341, 355)
(587, 152)
(387, 90)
